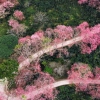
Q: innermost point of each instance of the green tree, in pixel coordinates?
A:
(7, 44)
(8, 68)
(68, 93)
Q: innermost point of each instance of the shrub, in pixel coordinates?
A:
(3, 28)
(47, 68)
(68, 93)
(7, 44)
(8, 68)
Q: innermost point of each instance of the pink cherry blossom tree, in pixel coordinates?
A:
(18, 29)
(19, 15)
(5, 8)
(90, 44)
(82, 72)
(94, 89)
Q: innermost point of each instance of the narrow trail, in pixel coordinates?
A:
(54, 85)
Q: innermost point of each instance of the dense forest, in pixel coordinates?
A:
(49, 50)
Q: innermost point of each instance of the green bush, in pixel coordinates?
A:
(47, 68)
(8, 68)
(92, 59)
(7, 44)
(3, 28)
(68, 93)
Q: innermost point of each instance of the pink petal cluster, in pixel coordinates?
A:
(37, 35)
(19, 15)
(64, 32)
(23, 39)
(83, 26)
(13, 23)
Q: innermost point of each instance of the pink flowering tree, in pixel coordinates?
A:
(19, 15)
(18, 29)
(89, 45)
(94, 89)
(5, 8)
(82, 72)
